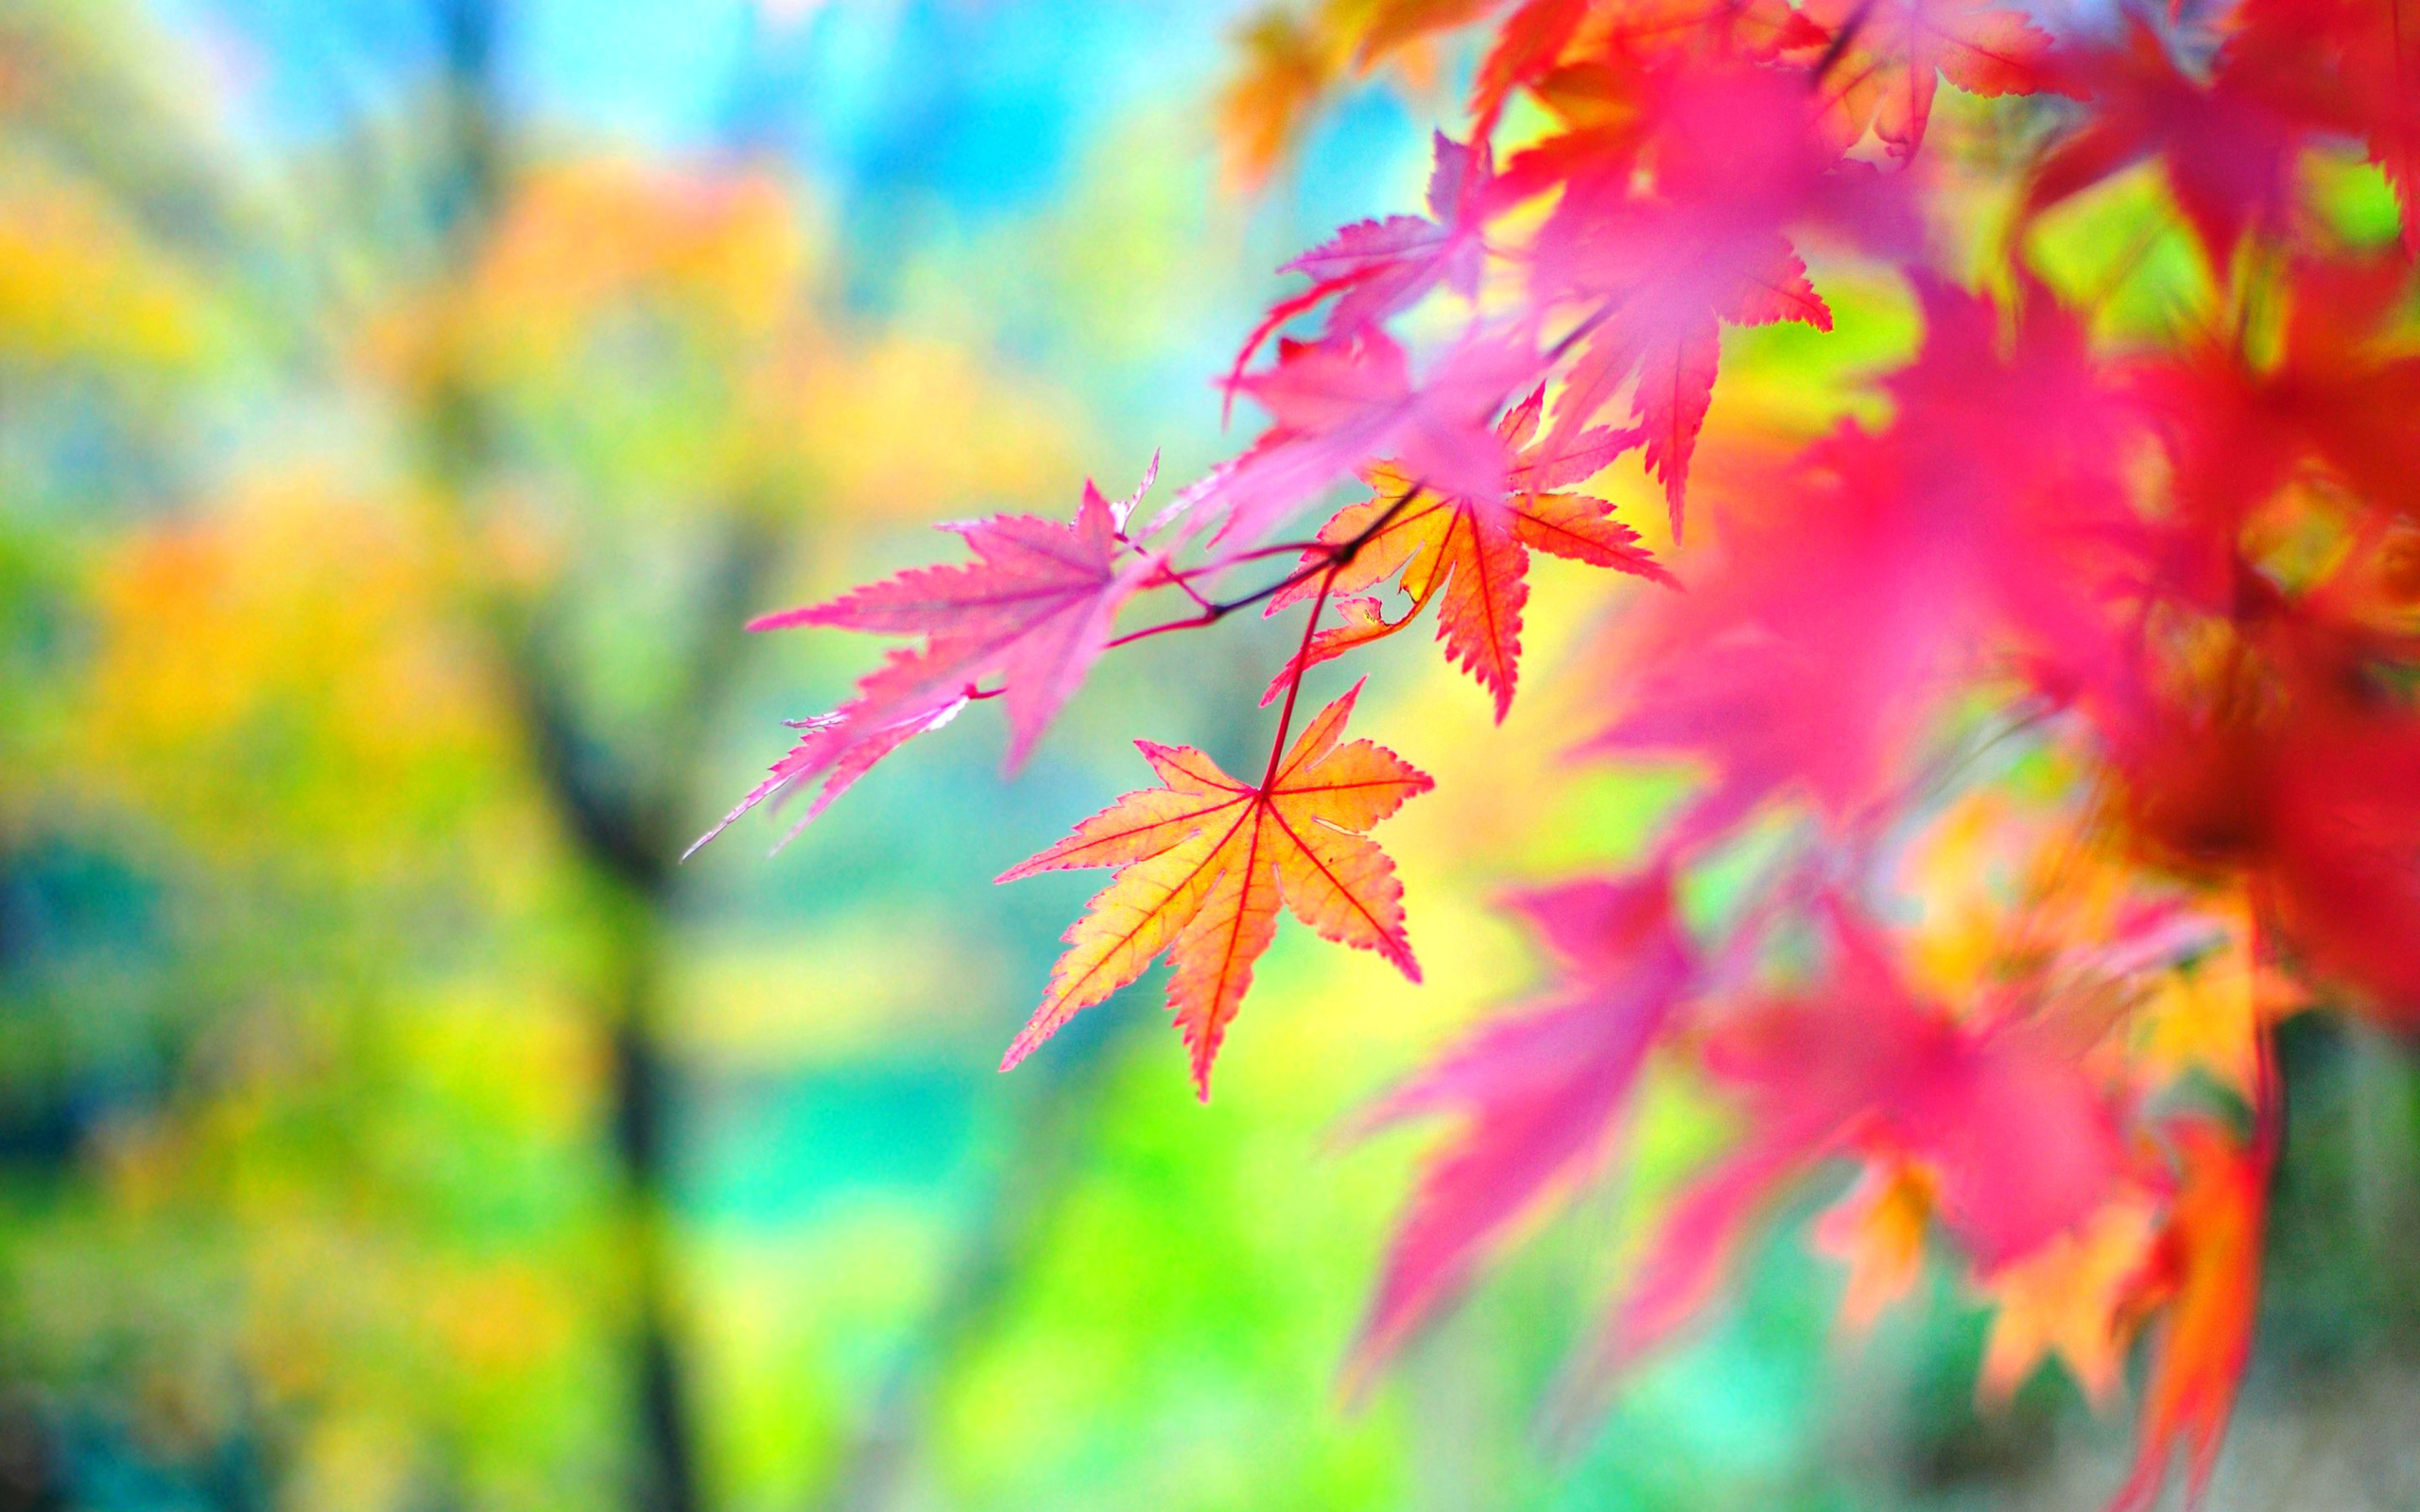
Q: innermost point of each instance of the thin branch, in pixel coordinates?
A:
(1211, 615)
(1170, 577)
(1334, 558)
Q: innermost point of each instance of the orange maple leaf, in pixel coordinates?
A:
(1878, 1231)
(1893, 53)
(1289, 64)
(2074, 1299)
(1470, 554)
(1204, 862)
(2209, 1259)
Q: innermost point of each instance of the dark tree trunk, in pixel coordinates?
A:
(664, 1477)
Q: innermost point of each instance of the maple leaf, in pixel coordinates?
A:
(1538, 1094)
(2073, 1298)
(2336, 394)
(2208, 1259)
(1878, 1231)
(1891, 53)
(1204, 862)
(2016, 1142)
(1387, 25)
(1782, 684)
(2345, 66)
(1447, 549)
(2229, 159)
(1035, 607)
(1528, 44)
(1288, 62)
(1734, 162)
(2308, 791)
(835, 751)
(1647, 30)
(1375, 269)
(1334, 406)
(1470, 553)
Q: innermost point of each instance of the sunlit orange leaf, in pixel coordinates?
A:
(1470, 554)
(1892, 52)
(1202, 864)
(2209, 1257)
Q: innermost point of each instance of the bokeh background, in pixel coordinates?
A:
(403, 403)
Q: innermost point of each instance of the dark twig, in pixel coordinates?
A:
(1335, 557)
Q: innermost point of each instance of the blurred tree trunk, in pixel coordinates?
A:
(623, 828)
(1036, 1170)
(627, 836)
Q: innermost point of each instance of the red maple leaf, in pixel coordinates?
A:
(1529, 43)
(1538, 1094)
(2229, 159)
(2350, 66)
(2207, 1265)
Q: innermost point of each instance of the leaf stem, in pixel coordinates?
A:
(1294, 682)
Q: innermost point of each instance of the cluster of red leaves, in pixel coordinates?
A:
(2068, 719)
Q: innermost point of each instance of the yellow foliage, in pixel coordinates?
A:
(865, 424)
(77, 283)
(726, 252)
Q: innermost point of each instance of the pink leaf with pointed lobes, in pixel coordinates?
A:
(1863, 582)
(1374, 269)
(1333, 407)
(1204, 864)
(1386, 265)
(2021, 1144)
(834, 750)
(1538, 1095)
(1124, 509)
(1661, 267)
(1035, 608)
